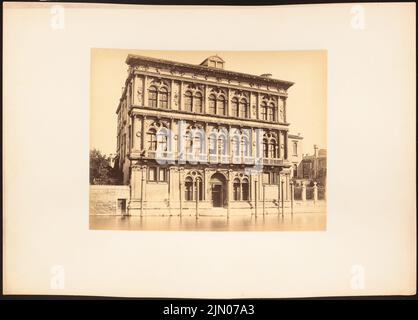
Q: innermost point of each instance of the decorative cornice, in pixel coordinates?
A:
(133, 60)
(215, 119)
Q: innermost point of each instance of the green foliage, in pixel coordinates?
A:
(100, 170)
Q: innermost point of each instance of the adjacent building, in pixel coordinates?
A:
(313, 168)
(203, 138)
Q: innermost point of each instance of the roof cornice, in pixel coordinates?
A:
(133, 60)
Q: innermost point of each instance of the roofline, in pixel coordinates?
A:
(293, 136)
(130, 59)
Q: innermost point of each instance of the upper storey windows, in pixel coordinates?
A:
(158, 94)
(193, 102)
(212, 100)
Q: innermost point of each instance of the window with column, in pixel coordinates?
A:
(271, 111)
(235, 146)
(236, 189)
(272, 149)
(245, 146)
(243, 108)
(188, 189)
(151, 140)
(157, 174)
(234, 107)
(188, 101)
(212, 144)
(263, 109)
(265, 148)
(221, 106)
(152, 97)
(241, 189)
(193, 102)
(163, 98)
(197, 102)
(158, 97)
(212, 104)
(192, 187)
(162, 142)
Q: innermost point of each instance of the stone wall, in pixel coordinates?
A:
(109, 199)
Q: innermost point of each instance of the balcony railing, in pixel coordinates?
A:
(213, 158)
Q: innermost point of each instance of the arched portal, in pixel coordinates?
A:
(218, 190)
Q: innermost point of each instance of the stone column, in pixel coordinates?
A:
(228, 104)
(255, 196)
(206, 185)
(287, 186)
(172, 187)
(145, 91)
(286, 152)
(143, 187)
(257, 109)
(181, 96)
(315, 192)
(181, 183)
(171, 94)
(205, 98)
(136, 134)
(303, 191)
(143, 133)
(135, 186)
(228, 195)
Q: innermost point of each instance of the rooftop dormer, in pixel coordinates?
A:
(214, 62)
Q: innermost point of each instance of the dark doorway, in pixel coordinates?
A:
(218, 189)
(217, 195)
(122, 206)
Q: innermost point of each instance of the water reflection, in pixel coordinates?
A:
(287, 222)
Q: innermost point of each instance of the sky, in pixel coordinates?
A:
(306, 103)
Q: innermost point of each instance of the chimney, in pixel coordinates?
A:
(316, 150)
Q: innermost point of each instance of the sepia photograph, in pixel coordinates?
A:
(215, 145)
(208, 152)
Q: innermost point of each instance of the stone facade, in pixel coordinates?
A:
(109, 199)
(198, 139)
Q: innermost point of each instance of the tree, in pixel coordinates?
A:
(100, 170)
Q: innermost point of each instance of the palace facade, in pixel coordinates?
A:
(200, 139)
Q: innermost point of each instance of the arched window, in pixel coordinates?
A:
(188, 142)
(272, 149)
(212, 143)
(188, 101)
(221, 144)
(245, 146)
(271, 112)
(188, 189)
(234, 107)
(212, 104)
(243, 108)
(221, 106)
(162, 142)
(237, 189)
(263, 111)
(265, 148)
(163, 98)
(152, 97)
(197, 102)
(197, 144)
(235, 146)
(151, 140)
(245, 186)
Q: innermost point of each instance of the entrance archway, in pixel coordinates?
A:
(218, 189)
